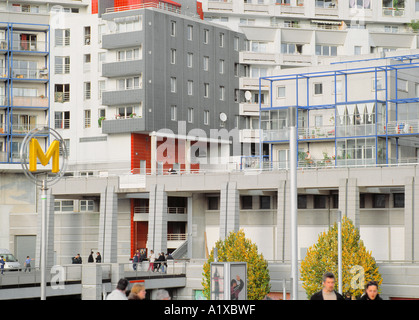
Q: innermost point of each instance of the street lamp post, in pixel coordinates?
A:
(339, 223)
(292, 115)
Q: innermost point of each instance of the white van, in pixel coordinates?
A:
(11, 261)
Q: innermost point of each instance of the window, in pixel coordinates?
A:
(391, 29)
(326, 50)
(129, 83)
(127, 55)
(173, 84)
(87, 36)
(206, 63)
(64, 205)
(264, 202)
(360, 4)
(87, 118)
(206, 90)
(222, 93)
(206, 36)
(87, 91)
(357, 50)
(173, 113)
(190, 115)
(280, 93)
(206, 117)
(378, 83)
(125, 111)
(259, 72)
(318, 121)
(62, 65)
(320, 202)
(221, 66)
(101, 88)
(291, 48)
(62, 120)
(402, 85)
(417, 5)
(172, 56)
(398, 200)
(190, 87)
(189, 60)
(62, 37)
(213, 203)
(258, 46)
(318, 88)
(302, 202)
(221, 40)
(246, 202)
(173, 28)
(236, 43)
(62, 93)
(101, 117)
(190, 33)
(86, 205)
(379, 201)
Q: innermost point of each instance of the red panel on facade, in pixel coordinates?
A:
(199, 10)
(95, 6)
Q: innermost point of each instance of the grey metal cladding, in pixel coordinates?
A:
(122, 40)
(122, 68)
(123, 125)
(122, 97)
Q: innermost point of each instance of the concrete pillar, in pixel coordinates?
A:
(157, 221)
(411, 218)
(349, 200)
(283, 223)
(153, 152)
(49, 231)
(229, 209)
(108, 225)
(91, 281)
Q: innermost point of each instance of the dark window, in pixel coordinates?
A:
(246, 202)
(398, 200)
(335, 200)
(320, 202)
(265, 202)
(362, 200)
(213, 203)
(379, 201)
(302, 202)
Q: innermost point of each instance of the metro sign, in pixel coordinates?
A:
(36, 152)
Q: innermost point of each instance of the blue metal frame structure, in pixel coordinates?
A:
(10, 29)
(397, 63)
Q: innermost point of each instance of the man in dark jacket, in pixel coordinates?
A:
(328, 292)
(76, 259)
(371, 291)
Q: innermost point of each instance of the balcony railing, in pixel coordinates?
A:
(25, 128)
(176, 210)
(393, 12)
(30, 101)
(25, 73)
(176, 237)
(400, 127)
(316, 132)
(28, 45)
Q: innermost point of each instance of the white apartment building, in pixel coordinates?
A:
(284, 34)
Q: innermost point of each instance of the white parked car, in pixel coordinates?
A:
(11, 261)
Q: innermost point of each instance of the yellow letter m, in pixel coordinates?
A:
(35, 152)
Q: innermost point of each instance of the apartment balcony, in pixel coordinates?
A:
(298, 60)
(399, 127)
(256, 8)
(122, 68)
(29, 74)
(226, 5)
(248, 57)
(292, 10)
(393, 12)
(249, 109)
(30, 46)
(122, 97)
(323, 132)
(123, 125)
(249, 135)
(123, 40)
(39, 102)
(25, 128)
(276, 135)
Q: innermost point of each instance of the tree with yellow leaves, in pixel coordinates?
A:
(358, 265)
(236, 248)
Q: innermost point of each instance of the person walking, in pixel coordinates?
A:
(371, 291)
(90, 259)
(98, 257)
(2, 263)
(328, 292)
(135, 260)
(152, 258)
(28, 264)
